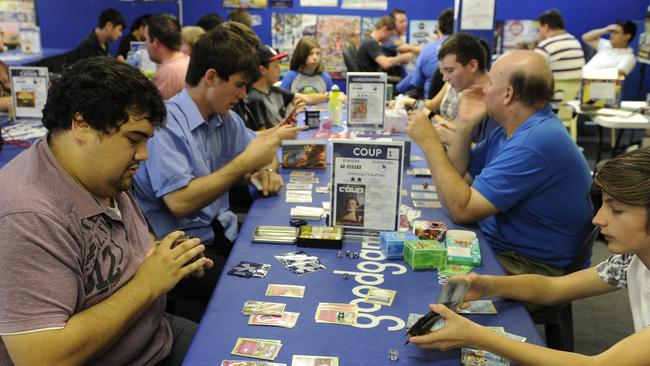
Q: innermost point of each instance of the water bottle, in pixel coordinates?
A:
(335, 106)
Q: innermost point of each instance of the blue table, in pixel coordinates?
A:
(382, 328)
(17, 58)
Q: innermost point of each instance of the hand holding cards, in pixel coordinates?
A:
(452, 296)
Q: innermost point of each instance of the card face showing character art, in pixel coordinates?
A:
(300, 360)
(249, 363)
(266, 349)
(333, 313)
(286, 319)
(285, 290)
(263, 307)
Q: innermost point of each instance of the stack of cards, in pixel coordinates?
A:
(413, 318)
(286, 319)
(425, 199)
(266, 349)
(250, 269)
(263, 307)
(424, 254)
(428, 229)
(285, 290)
(391, 243)
(332, 313)
(380, 296)
(300, 262)
(307, 212)
(299, 360)
(298, 196)
(303, 177)
(299, 186)
(463, 248)
(250, 363)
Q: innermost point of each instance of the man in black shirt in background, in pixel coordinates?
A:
(109, 29)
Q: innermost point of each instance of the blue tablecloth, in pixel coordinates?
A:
(223, 321)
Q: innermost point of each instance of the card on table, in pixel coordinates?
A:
(298, 173)
(380, 296)
(424, 195)
(262, 271)
(299, 179)
(263, 307)
(298, 199)
(323, 189)
(266, 349)
(300, 360)
(429, 204)
(285, 290)
(245, 269)
(250, 363)
(425, 187)
(476, 357)
(286, 319)
(479, 307)
(335, 313)
(300, 186)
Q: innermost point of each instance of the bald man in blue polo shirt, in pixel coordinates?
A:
(527, 183)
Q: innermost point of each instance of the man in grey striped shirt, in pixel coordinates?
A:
(561, 49)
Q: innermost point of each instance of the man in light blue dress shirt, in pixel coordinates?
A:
(204, 149)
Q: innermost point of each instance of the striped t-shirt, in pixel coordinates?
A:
(564, 54)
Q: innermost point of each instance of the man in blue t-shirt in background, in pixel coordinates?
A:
(527, 183)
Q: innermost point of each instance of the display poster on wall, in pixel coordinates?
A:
(477, 15)
(366, 100)
(288, 29)
(320, 3)
(368, 25)
(365, 4)
(334, 33)
(258, 4)
(422, 32)
(366, 184)
(15, 15)
(519, 34)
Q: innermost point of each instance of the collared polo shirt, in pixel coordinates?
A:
(539, 181)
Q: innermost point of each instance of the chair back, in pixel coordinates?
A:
(350, 59)
(584, 252)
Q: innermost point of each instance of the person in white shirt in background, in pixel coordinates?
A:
(615, 52)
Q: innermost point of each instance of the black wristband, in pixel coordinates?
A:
(432, 114)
